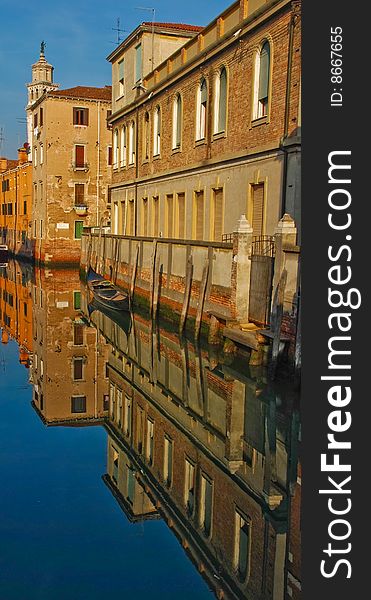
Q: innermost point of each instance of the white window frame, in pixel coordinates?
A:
(201, 112)
(123, 146)
(157, 131)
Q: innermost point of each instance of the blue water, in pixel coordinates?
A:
(62, 534)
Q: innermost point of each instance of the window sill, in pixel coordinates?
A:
(176, 150)
(145, 161)
(259, 121)
(219, 136)
(77, 125)
(157, 157)
(200, 142)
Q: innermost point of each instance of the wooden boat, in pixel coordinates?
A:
(106, 293)
(120, 318)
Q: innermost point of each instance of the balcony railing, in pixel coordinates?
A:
(80, 166)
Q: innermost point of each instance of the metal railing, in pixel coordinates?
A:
(263, 245)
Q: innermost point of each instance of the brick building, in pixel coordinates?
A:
(16, 308)
(16, 204)
(213, 131)
(209, 449)
(71, 158)
(68, 367)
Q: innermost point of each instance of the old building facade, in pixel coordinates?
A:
(214, 131)
(16, 204)
(71, 159)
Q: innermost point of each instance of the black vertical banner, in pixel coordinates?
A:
(335, 308)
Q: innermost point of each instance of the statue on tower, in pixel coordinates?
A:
(42, 47)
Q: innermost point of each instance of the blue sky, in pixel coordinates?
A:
(79, 36)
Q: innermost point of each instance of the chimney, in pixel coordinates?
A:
(22, 155)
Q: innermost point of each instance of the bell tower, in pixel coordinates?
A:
(42, 81)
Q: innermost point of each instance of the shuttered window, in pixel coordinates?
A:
(169, 215)
(258, 209)
(155, 216)
(77, 368)
(78, 334)
(79, 194)
(80, 116)
(79, 225)
(218, 201)
(206, 507)
(145, 217)
(79, 156)
(262, 81)
(181, 215)
(138, 63)
(121, 78)
(242, 546)
(177, 122)
(198, 216)
(78, 404)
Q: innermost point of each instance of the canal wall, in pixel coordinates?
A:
(202, 286)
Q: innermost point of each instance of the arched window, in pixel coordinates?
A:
(132, 143)
(115, 148)
(262, 82)
(201, 114)
(220, 114)
(177, 121)
(123, 147)
(146, 136)
(157, 131)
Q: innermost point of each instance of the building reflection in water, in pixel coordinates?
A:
(193, 438)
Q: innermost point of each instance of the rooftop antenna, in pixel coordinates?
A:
(119, 30)
(153, 12)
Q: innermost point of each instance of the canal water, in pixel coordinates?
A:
(136, 463)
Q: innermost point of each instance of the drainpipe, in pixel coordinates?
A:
(287, 110)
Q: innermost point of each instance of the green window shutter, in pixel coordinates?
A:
(264, 71)
(78, 229)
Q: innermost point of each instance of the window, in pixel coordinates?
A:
(115, 464)
(220, 114)
(262, 83)
(78, 404)
(118, 407)
(78, 334)
(35, 156)
(177, 122)
(138, 63)
(108, 116)
(257, 209)
(198, 216)
(132, 143)
(109, 156)
(206, 505)
(145, 217)
(131, 218)
(80, 116)
(140, 425)
(78, 229)
(180, 215)
(121, 78)
(123, 147)
(41, 117)
(115, 148)
(242, 545)
(41, 154)
(112, 401)
(105, 401)
(130, 484)
(146, 137)
(169, 212)
(79, 194)
(77, 368)
(168, 461)
(127, 416)
(217, 215)
(157, 131)
(77, 300)
(201, 113)
(150, 441)
(155, 216)
(79, 157)
(35, 117)
(189, 489)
